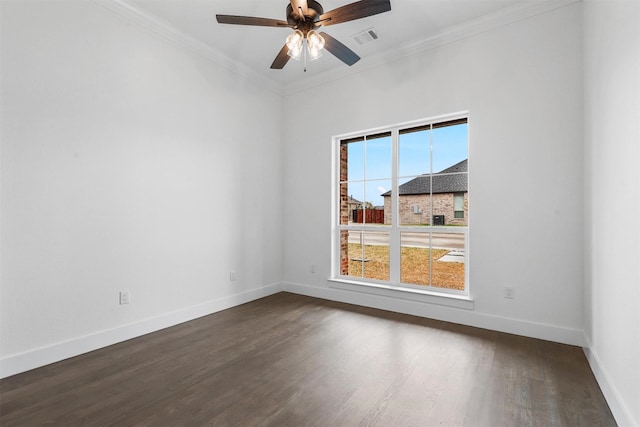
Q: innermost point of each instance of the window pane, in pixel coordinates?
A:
(415, 258)
(355, 199)
(376, 256)
(448, 260)
(375, 202)
(378, 158)
(355, 161)
(449, 147)
(415, 209)
(450, 182)
(365, 254)
(459, 208)
(343, 154)
(458, 202)
(414, 153)
(432, 259)
(414, 204)
(345, 205)
(344, 252)
(351, 253)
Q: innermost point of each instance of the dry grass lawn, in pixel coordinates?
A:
(414, 264)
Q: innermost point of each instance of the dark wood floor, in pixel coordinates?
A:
(290, 360)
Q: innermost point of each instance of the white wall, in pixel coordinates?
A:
(522, 86)
(130, 164)
(127, 163)
(612, 201)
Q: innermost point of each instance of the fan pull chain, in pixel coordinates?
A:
(304, 51)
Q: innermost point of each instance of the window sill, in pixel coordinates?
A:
(448, 300)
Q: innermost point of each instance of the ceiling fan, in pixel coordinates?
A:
(304, 17)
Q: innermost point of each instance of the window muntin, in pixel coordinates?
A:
(418, 176)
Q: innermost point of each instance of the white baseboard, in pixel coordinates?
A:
(448, 314)
(22, 362)
(620, 411)
(32, 359)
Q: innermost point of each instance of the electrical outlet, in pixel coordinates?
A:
(509, 292)
(232, 276)
(125, 297)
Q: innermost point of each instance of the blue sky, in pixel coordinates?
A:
(447, 145)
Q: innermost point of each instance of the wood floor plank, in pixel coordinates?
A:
(291, 360)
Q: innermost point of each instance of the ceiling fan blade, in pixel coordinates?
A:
(353, 11)
(281, 59)
(250, 20)
(339, 50)
(300, 4)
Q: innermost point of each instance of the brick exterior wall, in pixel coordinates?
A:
(442, 205)
(344, 210)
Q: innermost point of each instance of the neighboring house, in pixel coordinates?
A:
(354, 205)
(449, 195)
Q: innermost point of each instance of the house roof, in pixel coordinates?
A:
(450, 180)
(458, 167)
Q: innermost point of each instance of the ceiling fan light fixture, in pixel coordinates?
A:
(315, 44)
(294, 40)
(315, 40)
(295, 53)
(314, 53)
(294, 44)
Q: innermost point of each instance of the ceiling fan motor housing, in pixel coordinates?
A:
(314, 10)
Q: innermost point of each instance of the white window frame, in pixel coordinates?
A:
(394, 287)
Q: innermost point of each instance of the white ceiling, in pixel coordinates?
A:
(408, 23)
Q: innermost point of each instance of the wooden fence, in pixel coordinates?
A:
(370, 216)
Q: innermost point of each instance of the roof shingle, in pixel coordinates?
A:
(450, 180)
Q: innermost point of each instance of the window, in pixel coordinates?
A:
(410, 229)
(458, 205)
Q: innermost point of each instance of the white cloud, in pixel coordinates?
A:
(381, 189)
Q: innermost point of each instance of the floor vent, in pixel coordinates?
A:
(367, 36)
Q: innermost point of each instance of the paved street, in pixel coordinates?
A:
(421, 240)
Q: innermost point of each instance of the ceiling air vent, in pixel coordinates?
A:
(367, 36)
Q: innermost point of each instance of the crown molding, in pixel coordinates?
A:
(166, 32)
(515, 13)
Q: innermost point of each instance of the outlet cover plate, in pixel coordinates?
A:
(125, 297)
